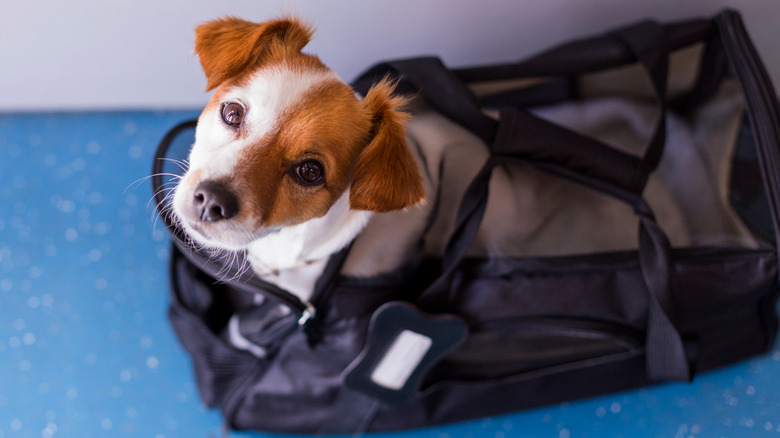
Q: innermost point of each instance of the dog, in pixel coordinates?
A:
(288, 164)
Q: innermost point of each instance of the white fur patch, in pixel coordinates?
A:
(217, 149)
(293, 257)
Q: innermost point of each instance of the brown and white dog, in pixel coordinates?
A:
(288, 164)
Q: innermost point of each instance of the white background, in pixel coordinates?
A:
(127, 54)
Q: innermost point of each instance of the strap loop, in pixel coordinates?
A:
(666, 357)
(646, 40)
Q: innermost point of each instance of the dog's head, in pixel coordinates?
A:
(283, 138)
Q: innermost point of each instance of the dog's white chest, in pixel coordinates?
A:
(299, 281)
(294, 257)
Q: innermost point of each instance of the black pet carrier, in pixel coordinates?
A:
(601, 216)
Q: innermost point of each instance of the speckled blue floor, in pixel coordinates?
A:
(86, 349)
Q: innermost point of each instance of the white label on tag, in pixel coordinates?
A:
(401, 359)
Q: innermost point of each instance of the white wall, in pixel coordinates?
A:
(113, 54)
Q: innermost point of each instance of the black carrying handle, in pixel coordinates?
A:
(522, 137)
(593, 159)
(645, 40)
(158, 175)
(549, 143)
(585, 55)
(446, 91)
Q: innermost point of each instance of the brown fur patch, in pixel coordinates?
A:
(386, 174)
(230, 46)
(328, 125)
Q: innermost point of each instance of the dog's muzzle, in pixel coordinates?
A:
(214, 202)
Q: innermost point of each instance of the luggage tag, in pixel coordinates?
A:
(402, 344)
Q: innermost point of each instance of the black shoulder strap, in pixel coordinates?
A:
(646, 41)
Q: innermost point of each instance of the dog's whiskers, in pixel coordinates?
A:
(228, 259)
(171, 185)
(138, 182)
(182, 164)
(165, 206)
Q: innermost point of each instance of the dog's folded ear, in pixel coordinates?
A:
(229, 46)
(386, 174)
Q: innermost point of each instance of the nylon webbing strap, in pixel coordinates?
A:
(666, 358)
(523, 135)
(712, 70)
(647, 43)
(470, 212)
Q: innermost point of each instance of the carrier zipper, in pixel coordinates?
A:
(760, 95)
(307, 310)
(304, 308)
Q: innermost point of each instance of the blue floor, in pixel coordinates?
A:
(85, 345)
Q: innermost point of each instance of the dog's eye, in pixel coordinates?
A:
(233, 113)
(310, 172)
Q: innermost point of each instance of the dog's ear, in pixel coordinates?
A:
(386, 174)
(229, 46)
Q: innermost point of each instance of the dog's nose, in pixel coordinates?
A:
(215, 202)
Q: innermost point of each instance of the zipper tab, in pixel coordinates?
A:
(307, 314)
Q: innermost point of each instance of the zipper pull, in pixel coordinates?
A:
(309, 325)
(307, 314)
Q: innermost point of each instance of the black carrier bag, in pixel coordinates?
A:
(600, 217)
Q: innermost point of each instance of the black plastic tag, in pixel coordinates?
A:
(402, 344)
